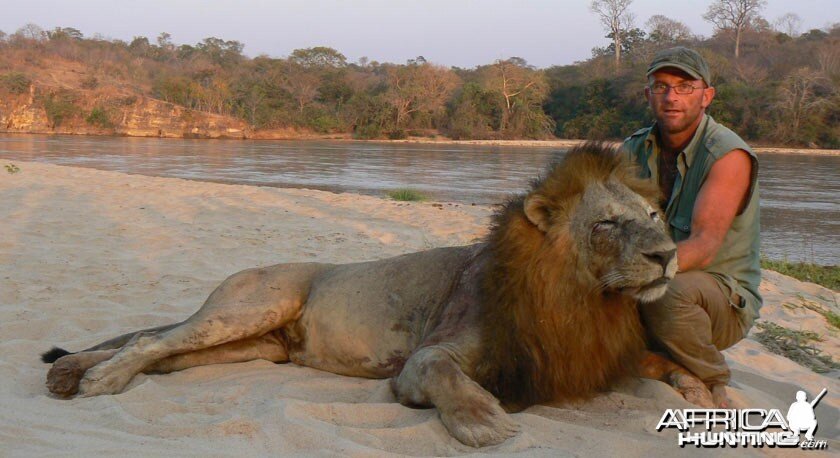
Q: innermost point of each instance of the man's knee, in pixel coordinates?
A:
(679, 306)
(693, 304)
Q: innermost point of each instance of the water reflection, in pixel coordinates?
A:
(799, 194)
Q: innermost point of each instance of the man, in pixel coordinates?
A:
(707, 176)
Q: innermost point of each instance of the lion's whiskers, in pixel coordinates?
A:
(607, 280)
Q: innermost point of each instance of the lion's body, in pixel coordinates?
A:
(365, 319)
(544, 309)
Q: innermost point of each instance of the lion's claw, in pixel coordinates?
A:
(692, 389)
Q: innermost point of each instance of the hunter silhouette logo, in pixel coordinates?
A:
(747, 427)
(801, 416)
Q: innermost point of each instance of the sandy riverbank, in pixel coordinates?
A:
(87, 254)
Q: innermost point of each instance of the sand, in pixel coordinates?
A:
(86, 255)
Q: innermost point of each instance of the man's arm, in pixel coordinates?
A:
(722, 196)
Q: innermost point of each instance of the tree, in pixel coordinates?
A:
(418, 88)
(61, 33)
(301, 83)
(521, 90)
(633, 39)
(799, 97)
(318, 57)
(31, 32)
(616, 20)
(789, 24)
(225, 53)
(662, 29)
(735, 15)
(164, 40)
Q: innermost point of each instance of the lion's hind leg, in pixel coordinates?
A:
(66, 373)
(470, 413)
(268, 347)
(248, 304)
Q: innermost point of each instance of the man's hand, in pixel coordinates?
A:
(722, 196)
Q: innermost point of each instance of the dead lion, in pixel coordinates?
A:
(545, 309)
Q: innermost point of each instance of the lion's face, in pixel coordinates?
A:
(622, 241)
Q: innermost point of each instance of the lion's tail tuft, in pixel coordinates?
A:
(54, 353)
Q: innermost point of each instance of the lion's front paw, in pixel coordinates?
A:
(64, 376)
(692, 389)
(479, 424)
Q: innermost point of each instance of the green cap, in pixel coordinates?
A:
(687, 60)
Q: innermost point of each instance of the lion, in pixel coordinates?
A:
(544, 309)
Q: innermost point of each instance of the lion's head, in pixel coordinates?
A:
(592, 207)
(570, 260)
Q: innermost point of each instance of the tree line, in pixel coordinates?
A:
(774, 83)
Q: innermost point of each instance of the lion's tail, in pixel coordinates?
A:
(54, 353)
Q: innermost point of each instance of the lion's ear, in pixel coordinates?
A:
(537, 211)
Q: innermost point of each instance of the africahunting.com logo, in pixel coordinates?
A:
(747, 427)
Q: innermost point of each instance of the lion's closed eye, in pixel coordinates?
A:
(603, 226)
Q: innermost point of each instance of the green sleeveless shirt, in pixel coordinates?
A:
(736, 266)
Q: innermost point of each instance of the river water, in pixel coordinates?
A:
(800, 194)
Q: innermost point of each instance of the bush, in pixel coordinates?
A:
(15, 82)
(322, 122)
(367, 132)
(407, 195)
(99, 117)
(59, 107)
(397, 134)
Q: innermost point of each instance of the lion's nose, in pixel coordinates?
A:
(661, 257)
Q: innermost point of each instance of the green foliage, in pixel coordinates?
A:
(15, 82)
(59, 107)
(473, 114)
(65, 33)
(319, 56)
(397, 134)
(795, 345)
(373, 116)
(99, 117)
(833, 319)
(828, 276)
(782, 89)
(407, 195)
(12, 169)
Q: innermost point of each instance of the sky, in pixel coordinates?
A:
(463, 33)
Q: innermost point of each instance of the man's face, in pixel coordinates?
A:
(678, 113)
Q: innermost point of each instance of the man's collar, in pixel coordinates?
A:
(690, 150)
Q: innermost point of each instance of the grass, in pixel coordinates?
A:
(407, 195)
(832, 318)
(828, 276)
(795, 345)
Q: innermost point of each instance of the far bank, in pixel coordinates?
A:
(292, 134)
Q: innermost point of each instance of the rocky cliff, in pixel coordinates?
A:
(108, 111)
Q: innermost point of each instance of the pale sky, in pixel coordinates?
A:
(462, 33)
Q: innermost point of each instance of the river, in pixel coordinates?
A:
(800, 194)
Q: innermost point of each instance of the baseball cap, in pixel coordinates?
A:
(685, 59)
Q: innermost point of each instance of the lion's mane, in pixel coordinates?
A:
(549, 334)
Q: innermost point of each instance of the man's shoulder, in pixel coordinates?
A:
(639, 134)
(633, 144)
(719, 140)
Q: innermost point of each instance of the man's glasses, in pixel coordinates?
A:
(682, 88)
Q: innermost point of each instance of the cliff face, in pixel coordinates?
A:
(108, 111)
